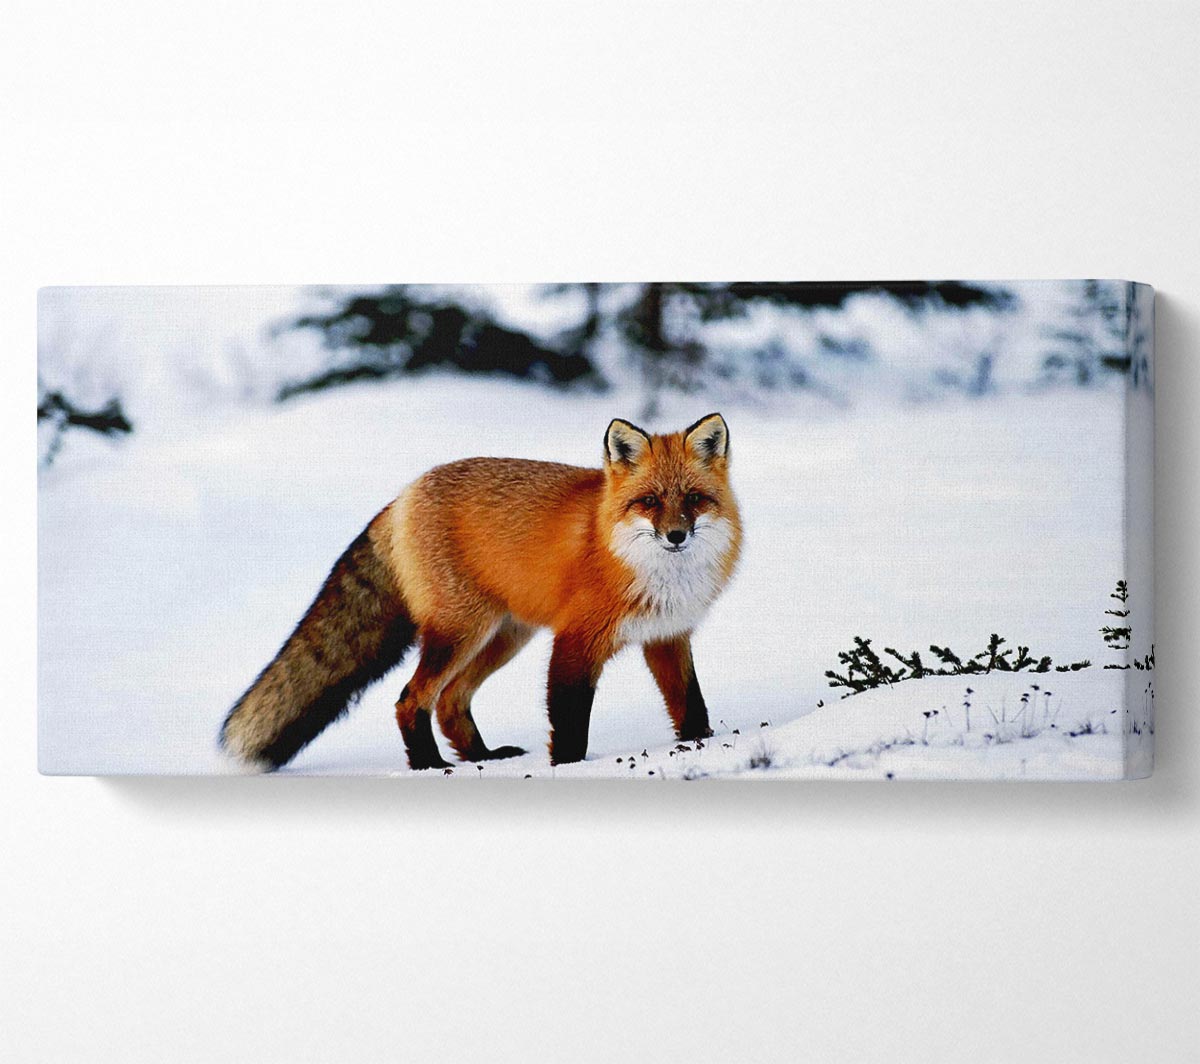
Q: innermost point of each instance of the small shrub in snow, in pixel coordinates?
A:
(866, 755)
(1145, 726)
(762, 758)
(1118, 636)
(864, 669)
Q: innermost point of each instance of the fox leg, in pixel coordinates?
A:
(442, 657)
(675, 673)
(574, 671)
(454, 708)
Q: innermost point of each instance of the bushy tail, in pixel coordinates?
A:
(357, 629)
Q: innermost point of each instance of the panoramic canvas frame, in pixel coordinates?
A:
(869, 530)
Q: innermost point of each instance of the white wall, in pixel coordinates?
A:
(353, 920)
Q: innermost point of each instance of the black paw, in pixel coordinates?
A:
(502, 752)
(420, 745)
(419, 763)
(566, 757)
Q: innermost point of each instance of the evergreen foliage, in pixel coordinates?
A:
(410, 328)
(1099, 337)
(63, 414)
(864, 669)
(1118, 635)
(405, 330)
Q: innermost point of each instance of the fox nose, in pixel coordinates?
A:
(676, 536)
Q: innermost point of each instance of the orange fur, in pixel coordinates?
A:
(496, 536)
(483, 551)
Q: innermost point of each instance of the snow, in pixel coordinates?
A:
(172, 564)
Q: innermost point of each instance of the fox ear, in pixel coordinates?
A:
(708, 438)
(625, 443)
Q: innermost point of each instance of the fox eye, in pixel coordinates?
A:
(693, 498)
(649, 500)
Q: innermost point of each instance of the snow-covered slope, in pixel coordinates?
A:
(997, 726)
(174, 563)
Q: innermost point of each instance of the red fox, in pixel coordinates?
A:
(476, 555)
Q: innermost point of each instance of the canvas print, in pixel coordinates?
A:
(662, 531)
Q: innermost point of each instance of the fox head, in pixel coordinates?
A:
(670, 495)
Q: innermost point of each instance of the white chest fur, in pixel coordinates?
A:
(673, 589)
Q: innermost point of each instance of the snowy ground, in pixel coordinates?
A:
(172, 565)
